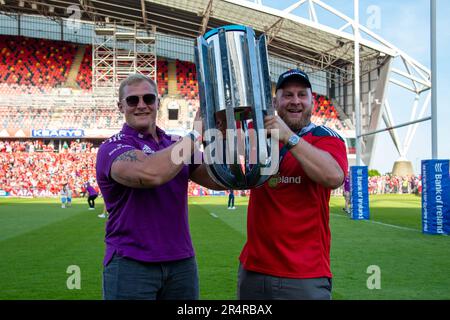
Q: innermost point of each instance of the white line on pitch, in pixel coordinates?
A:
(213, 215)
(380, 223)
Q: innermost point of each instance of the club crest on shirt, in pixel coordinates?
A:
(147, 150)
(273, 181)
(277, 180)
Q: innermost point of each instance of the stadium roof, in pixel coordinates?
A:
(290, 36)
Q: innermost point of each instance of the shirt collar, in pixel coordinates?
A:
(306, 129)
(126, 129)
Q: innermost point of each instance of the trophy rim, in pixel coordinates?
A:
(231, 27)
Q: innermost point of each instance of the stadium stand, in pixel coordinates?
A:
(84, 78)
(324, 113)
(29, 62)
(81, 118)
(187, 79)
(36, 66)
(162, 79)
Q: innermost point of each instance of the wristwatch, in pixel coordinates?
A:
(292, 142)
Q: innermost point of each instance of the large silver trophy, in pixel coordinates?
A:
(235, 95)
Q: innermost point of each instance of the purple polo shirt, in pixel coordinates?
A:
(148, 225)
(347, 184)
(91, 191)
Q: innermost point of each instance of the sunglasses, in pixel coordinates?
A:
(133, 101)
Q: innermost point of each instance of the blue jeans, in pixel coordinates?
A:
(128, 279)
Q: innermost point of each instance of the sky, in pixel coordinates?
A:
(406, 25)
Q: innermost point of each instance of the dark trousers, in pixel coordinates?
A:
(91, 201)
(230, 201)
(128, 279)
(258, 286)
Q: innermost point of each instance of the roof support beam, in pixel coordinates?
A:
(144, 13)
(413, 79)
(86, 5)
(206, 14)
(294, 6)
(273, 30)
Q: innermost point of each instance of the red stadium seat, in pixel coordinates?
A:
(187, 79)
(162, 76)
(34, 62)
(84, 77)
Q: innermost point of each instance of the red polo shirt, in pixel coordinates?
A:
(288, 232)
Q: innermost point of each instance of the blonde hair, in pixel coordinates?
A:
(135, 78)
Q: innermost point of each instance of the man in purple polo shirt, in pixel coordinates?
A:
(149, 253)
(92, 195)
(347, 194)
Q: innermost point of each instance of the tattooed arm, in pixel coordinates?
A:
(137, 170)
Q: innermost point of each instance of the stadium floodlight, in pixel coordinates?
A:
(21, 3)
(34, 5)
(2, 2)
(51, 9)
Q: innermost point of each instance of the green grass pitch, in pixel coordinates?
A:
(39, 241)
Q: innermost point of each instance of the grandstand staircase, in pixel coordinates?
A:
(172, 82)
(343, 117)
(74, 69)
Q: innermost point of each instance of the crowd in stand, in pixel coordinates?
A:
(390, 184)
(32, 168)
(394, 184)
(31, 146)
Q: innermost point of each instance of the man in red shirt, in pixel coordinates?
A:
(287, 254)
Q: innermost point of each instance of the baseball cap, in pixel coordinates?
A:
(293, 73)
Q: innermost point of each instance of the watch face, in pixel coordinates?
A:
(293, 140)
